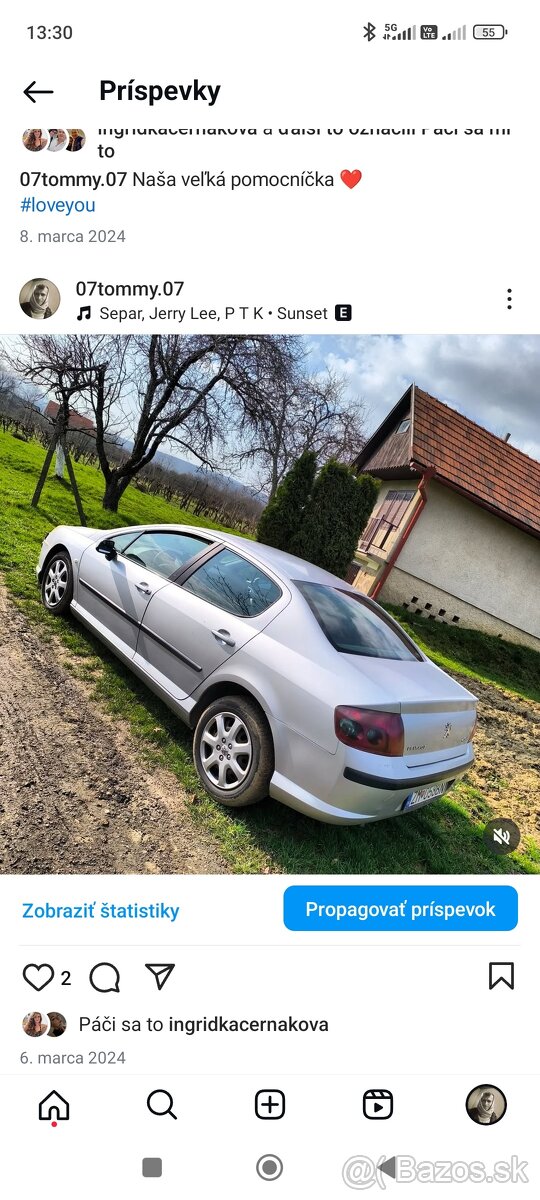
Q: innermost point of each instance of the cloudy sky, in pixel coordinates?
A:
(493, 380)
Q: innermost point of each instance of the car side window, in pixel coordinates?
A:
(121, 540)
(165, 552)
(233, 584)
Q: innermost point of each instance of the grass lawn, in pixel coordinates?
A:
(444, 838)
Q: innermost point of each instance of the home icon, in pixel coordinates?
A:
(54, 1108)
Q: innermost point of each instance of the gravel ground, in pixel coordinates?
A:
(74, 795)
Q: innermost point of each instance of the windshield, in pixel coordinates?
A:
(353, 626)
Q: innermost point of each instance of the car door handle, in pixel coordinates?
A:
(223, 635)
(143, 587)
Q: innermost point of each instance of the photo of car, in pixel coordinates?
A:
(295, 684)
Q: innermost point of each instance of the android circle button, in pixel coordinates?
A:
(269, 1167)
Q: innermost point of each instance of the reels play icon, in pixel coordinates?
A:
(378, 1104)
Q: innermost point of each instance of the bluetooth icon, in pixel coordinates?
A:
(369, 31)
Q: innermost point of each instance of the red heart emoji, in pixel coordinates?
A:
(351, 178)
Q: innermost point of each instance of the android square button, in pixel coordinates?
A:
(152, 1168)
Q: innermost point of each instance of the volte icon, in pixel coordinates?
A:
(161, 972)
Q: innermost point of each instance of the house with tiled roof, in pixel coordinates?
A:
(455, 532)
(76, 420)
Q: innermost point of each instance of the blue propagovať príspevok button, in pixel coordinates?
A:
(390, 908)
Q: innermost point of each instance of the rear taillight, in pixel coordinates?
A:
(376, 732)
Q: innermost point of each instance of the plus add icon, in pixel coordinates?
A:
(270, 1104)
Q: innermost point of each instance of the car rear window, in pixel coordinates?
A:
(353, 626)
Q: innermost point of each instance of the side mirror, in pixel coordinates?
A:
(107, 548)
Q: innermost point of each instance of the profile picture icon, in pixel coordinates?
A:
(35, 139)
(58, 140)
(35, 1024)
(76, 140)
(57, 1024)
(486, 1105)
(39, 299)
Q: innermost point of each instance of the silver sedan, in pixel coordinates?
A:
(295, 685)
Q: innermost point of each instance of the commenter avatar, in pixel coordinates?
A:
(57, 1024)
(77, 139)
(58, 140)
(35, 1024)
(35, 139)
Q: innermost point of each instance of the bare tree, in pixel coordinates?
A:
(185, 391)
(302, 413)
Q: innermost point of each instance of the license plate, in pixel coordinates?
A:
(424, 794)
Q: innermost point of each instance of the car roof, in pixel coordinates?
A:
(288, 566)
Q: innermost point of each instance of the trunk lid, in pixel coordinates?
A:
(438, 713)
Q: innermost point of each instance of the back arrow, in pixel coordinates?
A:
(28, 91)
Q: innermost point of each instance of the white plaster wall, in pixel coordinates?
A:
(400, 589)
(467, 554)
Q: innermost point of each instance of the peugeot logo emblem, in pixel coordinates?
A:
(447, 729)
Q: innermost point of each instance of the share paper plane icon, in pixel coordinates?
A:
(161, 972)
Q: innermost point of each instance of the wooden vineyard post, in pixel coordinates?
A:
(59, 436)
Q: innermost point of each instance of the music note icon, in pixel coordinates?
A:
(84, 312)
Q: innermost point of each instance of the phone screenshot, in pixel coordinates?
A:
(269, 600)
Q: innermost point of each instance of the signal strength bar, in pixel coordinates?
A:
(457, 35)
(407, 35)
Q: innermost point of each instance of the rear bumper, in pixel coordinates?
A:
(397, 785)
(355, 797)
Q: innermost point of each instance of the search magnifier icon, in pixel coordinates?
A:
(160, 1103)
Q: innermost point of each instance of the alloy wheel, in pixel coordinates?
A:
(56, 582)
(226, 750)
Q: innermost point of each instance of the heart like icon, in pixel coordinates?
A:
(38, 976)
(351, 178)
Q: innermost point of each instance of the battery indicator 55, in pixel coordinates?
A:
(489, 33)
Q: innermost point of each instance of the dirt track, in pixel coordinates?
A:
(74, 797)
(507, 748)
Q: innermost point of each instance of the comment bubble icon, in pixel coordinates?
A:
(105, 977)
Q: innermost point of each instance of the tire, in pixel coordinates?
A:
(238, 778)
(57, 583)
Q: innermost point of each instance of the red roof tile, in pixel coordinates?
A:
(482, 466)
